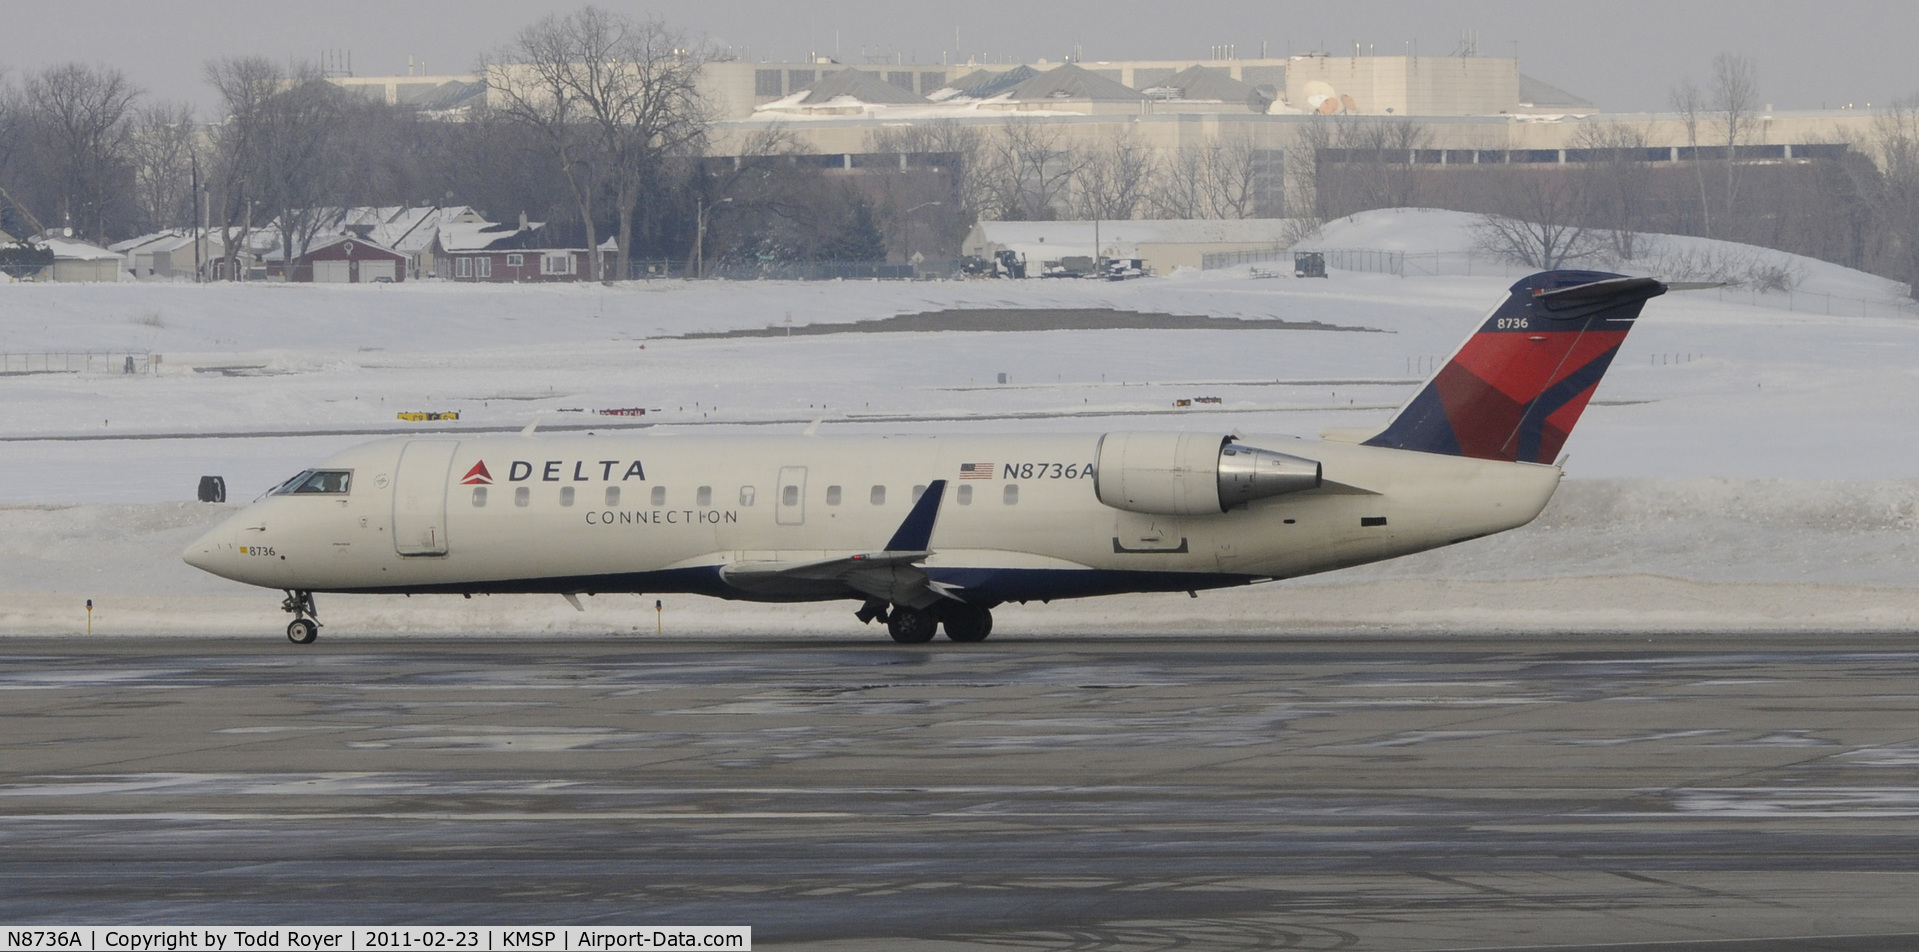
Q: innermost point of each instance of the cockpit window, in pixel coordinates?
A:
(334, 482)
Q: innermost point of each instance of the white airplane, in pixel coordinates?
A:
(930, 531)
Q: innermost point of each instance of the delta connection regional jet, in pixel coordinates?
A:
(927, 532)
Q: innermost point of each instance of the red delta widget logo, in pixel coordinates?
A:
(556, 470)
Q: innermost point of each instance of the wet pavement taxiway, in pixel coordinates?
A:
(1233, 792)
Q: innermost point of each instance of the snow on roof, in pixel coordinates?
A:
(457, 237)
(982, 83)
(413, 230)
(321, 242)
(1537, 94)
(1206, 84)
(74, 249)
(1067, 81)
(860, 86)
(140, 243)
(470, 237)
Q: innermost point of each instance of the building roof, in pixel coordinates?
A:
(859, 85)
(488, 236)
(981, 83)
(74, 249)
(1539, 94)
(322, 242)
(413, 229)
(1206, 84)
(475, 237)
(140, 244)
(1067, 81)
(454, 94)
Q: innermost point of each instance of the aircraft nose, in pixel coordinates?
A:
(205, 552)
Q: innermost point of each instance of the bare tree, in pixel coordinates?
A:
(300, 172)
(1221, 177)
(1540, 223)
(966, 147)
(1690, 104)
(244, 85)
(1033, 170)
(1339, 165)
(80, 120)
(1735, 100)
(1895, 138)
(1617, 182)
(1116, 179)
(613, 97)
(532, 83)
(163, 146)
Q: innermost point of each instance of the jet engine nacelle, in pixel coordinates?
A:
(1190, 474)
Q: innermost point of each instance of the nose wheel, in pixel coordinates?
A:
(305, 625)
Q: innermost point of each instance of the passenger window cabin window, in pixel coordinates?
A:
(965, 495)
(832, 495)
(1011, 496)
(479, 497)
(659, 495)
(918, 491)
(746, 495)
(790, 496)
(704, 496)
(612, 495)
(879, 495)
(522, 496)
(566, 495)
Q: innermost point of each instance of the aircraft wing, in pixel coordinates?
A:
(891, 575)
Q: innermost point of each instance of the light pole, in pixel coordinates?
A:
(699, 236)
(908, 215)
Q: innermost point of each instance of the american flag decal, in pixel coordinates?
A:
(976, 471)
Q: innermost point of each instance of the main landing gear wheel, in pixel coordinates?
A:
(306, 617)
(967, 623)
(912, 626)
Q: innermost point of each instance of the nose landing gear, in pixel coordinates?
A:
(306, 621)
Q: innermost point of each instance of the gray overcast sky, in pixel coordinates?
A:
(1624, 56)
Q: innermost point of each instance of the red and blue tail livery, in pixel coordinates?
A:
(1514, 390)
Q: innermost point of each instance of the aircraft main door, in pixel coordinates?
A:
(419, 497)
(791, 507)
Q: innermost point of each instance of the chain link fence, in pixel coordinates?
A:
(80, 362)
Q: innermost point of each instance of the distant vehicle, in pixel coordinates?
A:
(931, 532)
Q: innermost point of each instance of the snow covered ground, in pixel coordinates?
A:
(1743, 466)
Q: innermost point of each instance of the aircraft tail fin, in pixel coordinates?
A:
(1514, 390)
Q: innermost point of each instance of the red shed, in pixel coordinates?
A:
(347, 259)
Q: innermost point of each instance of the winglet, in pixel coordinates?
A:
(530, 427)
(917, 530)
(813, 428)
